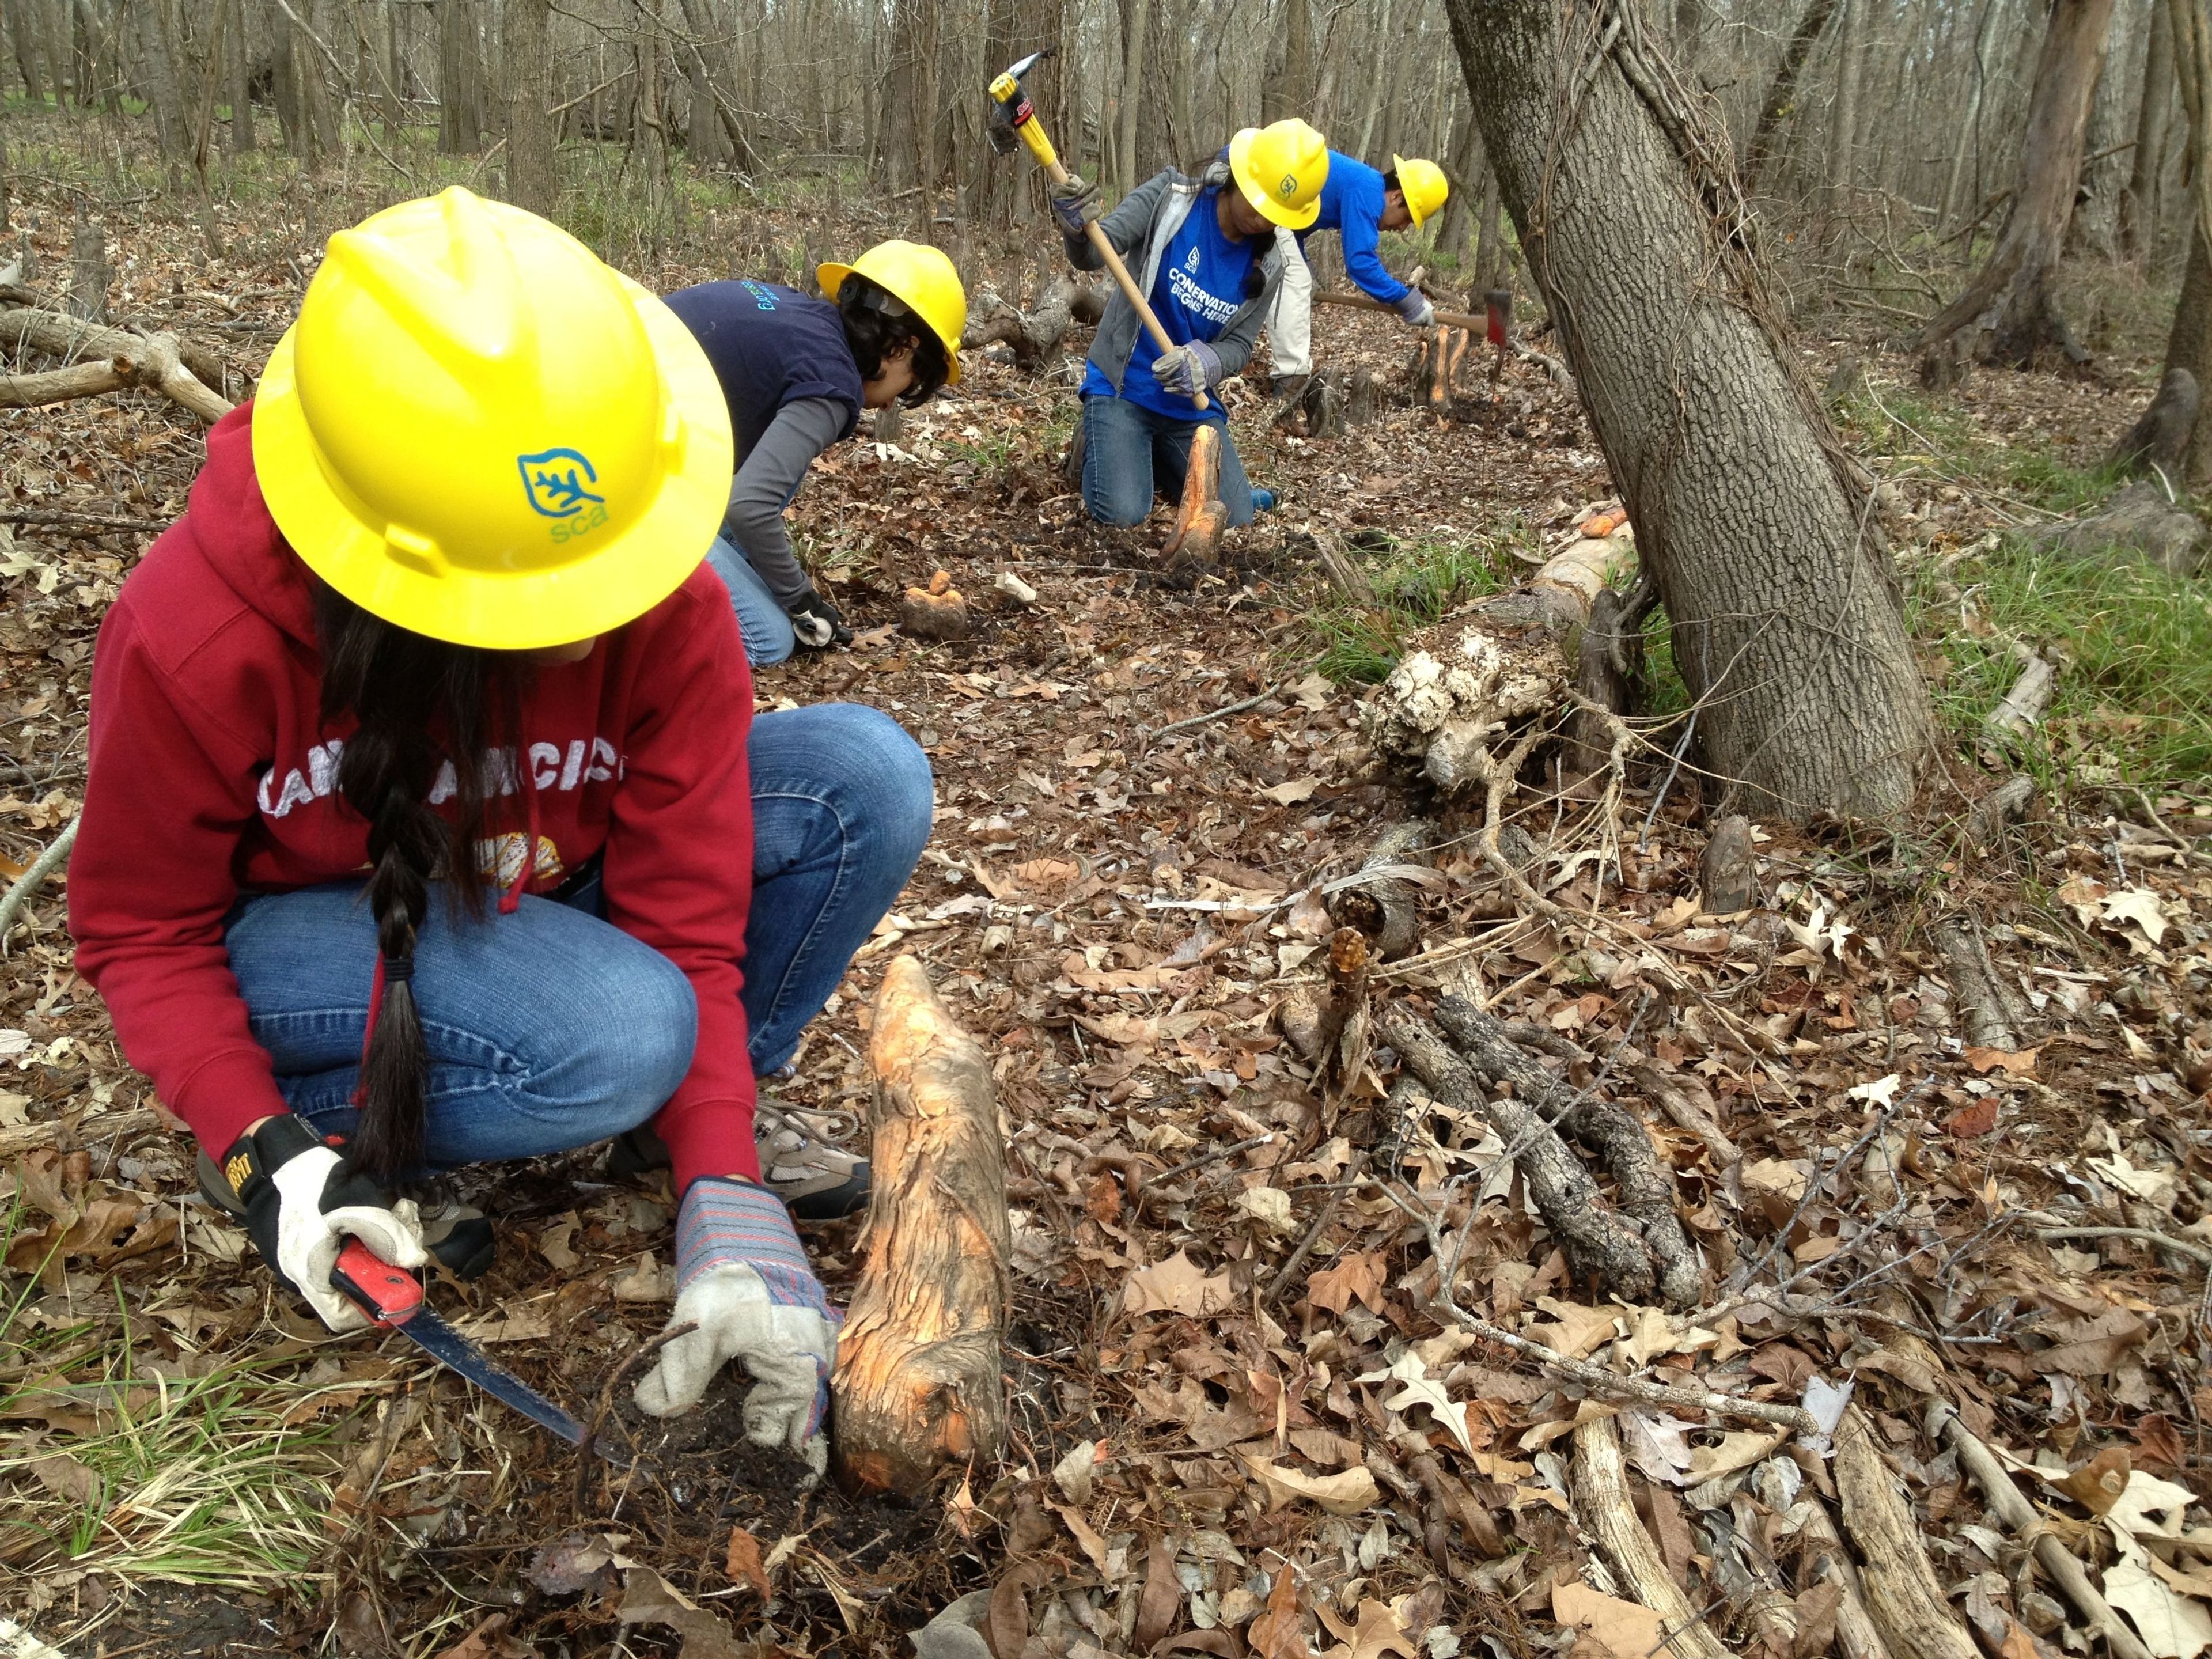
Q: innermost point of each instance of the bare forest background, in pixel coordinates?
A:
(1882, 137)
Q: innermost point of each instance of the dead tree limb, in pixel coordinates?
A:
(1902, 1595)
(1609, 1129)
(1598, 1244)
(59, 385)
(1382, 900)
(917, 1386)
(1688, 1106)
(1034, 334)
(1989, 1016)
(153, 357)
(1826, 1561)
(1603, 1507)
(2021, 1520)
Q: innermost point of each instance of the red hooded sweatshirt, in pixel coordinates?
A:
(213, 775)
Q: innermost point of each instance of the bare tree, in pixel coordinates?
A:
(1785, 624)
(460, 78)
(2139, 203)
(532, 179)
(2010, 312)
(1782, 90)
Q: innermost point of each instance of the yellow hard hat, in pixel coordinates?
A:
(1281, 169)
(479, 432)
(920, 277)
(1422, 184)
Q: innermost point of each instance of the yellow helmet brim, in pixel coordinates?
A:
(1261, 198)
(832, 276)
(524, 610)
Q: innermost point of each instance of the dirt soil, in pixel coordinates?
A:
(1208, 1450)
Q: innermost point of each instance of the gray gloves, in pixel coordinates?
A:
(1413, 306)
(1188, 369)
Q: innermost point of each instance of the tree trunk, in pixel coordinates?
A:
(2010, 312)
(26, 50)
(1786, 625)
(918, 1387)
(532, 179)
(1290, 91)
(1970, 129)
(1781, 99)
(1490, 236)
(2139, 203)
(1844, 131)
(2188, 345)
(460, 79)
(241, 51)
(1133, 88)
(164, 86)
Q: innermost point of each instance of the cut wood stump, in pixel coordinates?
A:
(917, 1387)
(1729, 872)
(937, 611)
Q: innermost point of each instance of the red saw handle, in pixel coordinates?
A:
(386, 1294)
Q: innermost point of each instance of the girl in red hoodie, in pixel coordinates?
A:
(428, 822)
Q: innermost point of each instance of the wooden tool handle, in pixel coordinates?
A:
(1361, 303)
(1120, 274)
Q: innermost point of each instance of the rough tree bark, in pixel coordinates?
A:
(460, 79)
(2010, 312)
(2190, 344)
(1785, 620)
(532, 181)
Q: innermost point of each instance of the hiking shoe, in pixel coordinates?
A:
(806, 1158)
(458, 1236)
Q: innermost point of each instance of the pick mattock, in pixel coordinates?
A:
(1012, 113)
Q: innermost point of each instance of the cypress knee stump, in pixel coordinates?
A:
(918, 1385)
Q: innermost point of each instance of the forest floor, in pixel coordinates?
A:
(1213, 1454)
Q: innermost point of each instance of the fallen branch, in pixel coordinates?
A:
(1647, 1195)
(1857, 1634)
(108, 1126)
(2019, 1516)
(1902, 1594)
(1687, 1111)
(2014, 718)
(1381, 902)
(59, 385)
(1606, 1513)
(155, 360)
(52, 858)
(587, 1450)
(1598, 1244)
(1990, 1015)
(2181, 1247)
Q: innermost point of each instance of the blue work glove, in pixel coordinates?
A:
(1188, 369)
(1075, 204)
(742, 1276)
(1413, 306)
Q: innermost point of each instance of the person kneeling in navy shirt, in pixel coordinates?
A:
(1203, 251)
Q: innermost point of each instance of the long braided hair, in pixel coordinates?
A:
(418, 702)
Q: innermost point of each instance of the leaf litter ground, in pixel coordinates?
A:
(1212, 1453)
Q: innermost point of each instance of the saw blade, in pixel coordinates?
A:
(451, 1349)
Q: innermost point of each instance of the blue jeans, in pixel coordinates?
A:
(761, 619)
(1129, 452)
(551, 1029)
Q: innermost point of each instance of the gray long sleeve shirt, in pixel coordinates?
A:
(769, 475)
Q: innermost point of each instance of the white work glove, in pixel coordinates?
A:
(742, 1276)
(1416, 308)
(303, 1200)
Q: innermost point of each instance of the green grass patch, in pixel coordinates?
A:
(2133, 707)
(1417, 580)
(198, 1480)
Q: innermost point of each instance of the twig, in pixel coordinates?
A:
(1151, 738)
(29, 515)
(1213, 1156)
(1604, 1383)
(2019, 1518)
(56, 854)
(2196, 1252)
(588, 1450)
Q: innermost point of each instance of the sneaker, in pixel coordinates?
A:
(1263, 500)
(457, 1236)
(806, 1158)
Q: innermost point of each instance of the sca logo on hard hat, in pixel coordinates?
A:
(555, 481)
(1289, 187)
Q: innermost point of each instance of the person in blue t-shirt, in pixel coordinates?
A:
(1203, 251)
(796, 373)
(1359, 205)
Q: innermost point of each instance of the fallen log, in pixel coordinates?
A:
(1034, 334)
(59, 385)
(1599, 1245)
(2024, 705)
(1464, 682)
(1902, 1595)
(155, 360)
(918, 1387)
(1608, 1128)
(1603, 1507)
(1383, 900)
(1827, 1562)
(1988, 1015)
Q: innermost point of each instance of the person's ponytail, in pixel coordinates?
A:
(416, 703)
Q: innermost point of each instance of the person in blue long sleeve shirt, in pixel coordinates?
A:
(1359, 205)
